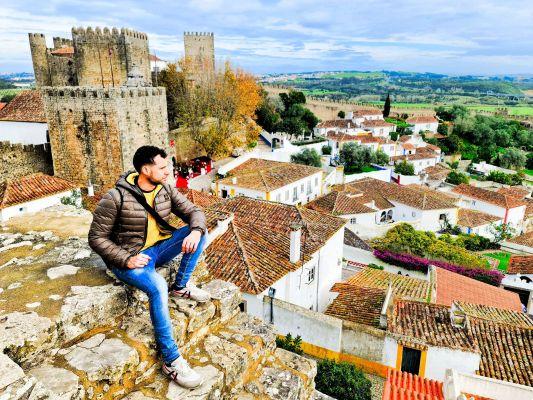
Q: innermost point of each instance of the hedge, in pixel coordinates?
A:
(414, 263)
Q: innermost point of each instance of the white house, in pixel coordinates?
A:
(157, 64)
(423, 124)
(276, 250)
(31, 193)
(283, 182)
(519, 279)
(23, 119)
(358, 116)
(510, 209)
(477, 222)
(339, 126)
(378, 127)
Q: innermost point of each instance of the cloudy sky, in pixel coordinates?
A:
(455, 37)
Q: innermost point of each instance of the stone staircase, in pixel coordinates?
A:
(101, 346)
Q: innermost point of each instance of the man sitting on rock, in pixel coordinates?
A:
(130, 231)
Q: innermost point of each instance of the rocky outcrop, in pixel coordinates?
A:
(100, 343)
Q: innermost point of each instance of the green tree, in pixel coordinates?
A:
(381, 157)
(456, 178)
(342, 381)
(307, 157)
(341, 114)
(501, 232)
(529, 163)
(290, 344)
(354, 157)
(404, 168)
(443, 129)
(291, 98)
(326, 149)
(512, 158)
(386, 106)
(268, 117)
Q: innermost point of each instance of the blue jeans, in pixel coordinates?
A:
(155, 286)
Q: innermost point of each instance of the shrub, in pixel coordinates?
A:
(456, 178)
(342, 381)
(404, 168)
(375, 266)
(307, 157)
(414, 263)
(289, 343)
(73, 200)
(506, 179)
(326, 149)
(341, 114)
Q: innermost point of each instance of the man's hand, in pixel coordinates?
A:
(138, 261)
(190, 243)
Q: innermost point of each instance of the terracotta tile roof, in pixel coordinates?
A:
(254, 251)
(506, 351)
(405, 138)
(201, 199)
(529, 207)
(340, 137)
(430, 324)
(433, 147)
(472, 218)
(31, 187)
(520, 265)
(451, 287)
(267, 175)
(421, 153)
(2, 105)
(412, 195)
(438, 172)
(525, 239)
(154, 58)
(337, 123)
(516, 191)
(488, 196)
(408, 146)
(376, 123)
(357, 304)
(340, 203)
(63, 51)
(368, 193)
(369, 139)
(495, 314)
(421, 120)
(405, 386)
(27, 106)
(371, 111)
(403, 286)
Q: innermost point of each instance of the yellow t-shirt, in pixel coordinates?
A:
(153, 234)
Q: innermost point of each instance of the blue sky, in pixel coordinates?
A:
(455, 37)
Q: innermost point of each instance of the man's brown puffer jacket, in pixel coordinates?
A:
(118, 230)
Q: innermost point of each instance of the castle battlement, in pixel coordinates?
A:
(97, 32)
(105, 93)
(198, 33)
(6, 145)
(61, 42)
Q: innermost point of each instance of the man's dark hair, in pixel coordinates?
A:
(145, 155)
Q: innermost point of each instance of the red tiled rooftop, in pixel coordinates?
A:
(526, 239)
(27, 106)
(489, 196)
(520, 265)
(421, 120)
(63, 51)
(31, 187)
(2, 105)
(201, 199)
(451, 286)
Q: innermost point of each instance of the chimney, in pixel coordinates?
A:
(90, 190)
(296, 243)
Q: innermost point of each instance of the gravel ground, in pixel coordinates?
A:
(377, 386)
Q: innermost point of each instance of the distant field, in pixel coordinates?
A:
(354, 74)
(4, 92)
(318, 92)
(513, 110)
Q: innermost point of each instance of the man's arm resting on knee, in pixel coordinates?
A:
(100, 233)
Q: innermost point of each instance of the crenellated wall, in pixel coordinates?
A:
(19, 160)
(200, 50)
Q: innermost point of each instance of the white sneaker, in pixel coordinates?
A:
(181, 373)
(191, 291)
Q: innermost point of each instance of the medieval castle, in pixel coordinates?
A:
(99, 102)
(200, 50)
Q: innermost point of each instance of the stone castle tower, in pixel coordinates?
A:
(99, 102)
(99, 58)
(200, 50)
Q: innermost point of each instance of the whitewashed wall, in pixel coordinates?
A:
(32, 206)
